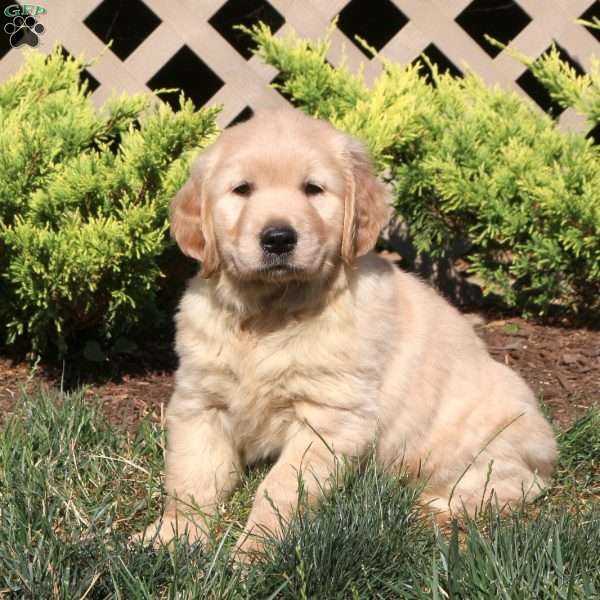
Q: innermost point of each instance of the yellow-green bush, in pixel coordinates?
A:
(570, 90)
(84, 192)
(83, 205)
(473, 163)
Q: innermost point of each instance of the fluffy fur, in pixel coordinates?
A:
(329, 343)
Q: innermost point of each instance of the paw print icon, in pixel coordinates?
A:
(24, 31)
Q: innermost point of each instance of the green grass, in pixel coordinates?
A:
(73, 489)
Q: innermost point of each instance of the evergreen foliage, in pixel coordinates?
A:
(472, 163)
(564, 84)
(84, 198)
(84, 250)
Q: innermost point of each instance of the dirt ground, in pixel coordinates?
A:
(561, 365)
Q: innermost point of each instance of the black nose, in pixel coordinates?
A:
(278, 240)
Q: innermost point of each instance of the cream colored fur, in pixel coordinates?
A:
(342, 348)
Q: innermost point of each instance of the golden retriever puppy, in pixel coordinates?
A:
(296, 340)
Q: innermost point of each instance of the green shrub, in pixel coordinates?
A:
(468, 163)
(84, 192)
(570, 90)
(83, 204)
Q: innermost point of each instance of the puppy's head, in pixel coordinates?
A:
(280, 197)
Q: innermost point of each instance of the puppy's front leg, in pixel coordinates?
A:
(306, 455)
(202, 468)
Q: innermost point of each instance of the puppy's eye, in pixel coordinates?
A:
(312, 189)
(243, 189)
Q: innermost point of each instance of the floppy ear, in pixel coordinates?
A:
(366, 208)
(192, 226)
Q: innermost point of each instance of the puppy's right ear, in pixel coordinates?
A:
(192, 228)
(186, 221)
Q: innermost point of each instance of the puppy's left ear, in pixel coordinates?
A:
(367, 207)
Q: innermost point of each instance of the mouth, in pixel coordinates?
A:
(277, 268)
(280, 270)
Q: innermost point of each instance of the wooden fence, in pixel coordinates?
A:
(191, 44)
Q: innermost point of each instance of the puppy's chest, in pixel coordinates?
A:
(262, 382)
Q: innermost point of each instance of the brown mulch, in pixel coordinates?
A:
(135, 389)
(561, 365)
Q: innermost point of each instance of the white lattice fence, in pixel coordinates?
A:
(162, 43)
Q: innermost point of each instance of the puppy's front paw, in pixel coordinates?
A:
(168, 528)
(248, 547)
(251, 543)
